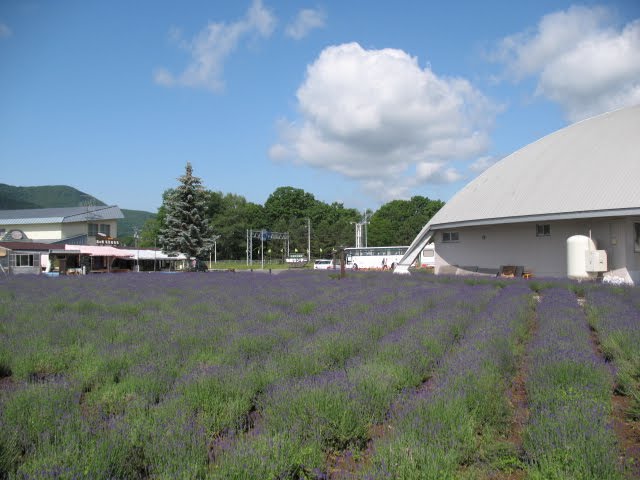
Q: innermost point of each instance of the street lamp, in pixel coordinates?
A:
(308, 239)
(136, 236)
(366, 222)
(215, 250)
(358, 233)
(361, 230)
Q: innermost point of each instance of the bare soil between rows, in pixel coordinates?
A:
(627, 430)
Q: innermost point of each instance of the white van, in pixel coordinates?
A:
(323, 264)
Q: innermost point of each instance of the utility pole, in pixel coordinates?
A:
(361, 231)
(136, 236)
(308, 239)
(263, 235)
(365, 228)
(215, 253)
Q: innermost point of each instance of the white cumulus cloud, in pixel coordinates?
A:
(377, 117)
(210, 48)
(5, 31)
(580, 58)
(305, 21)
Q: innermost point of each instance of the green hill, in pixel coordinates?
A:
(48, 196)
(132, 218)
(58, 196)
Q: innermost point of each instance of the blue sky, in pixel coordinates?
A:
(358, 102)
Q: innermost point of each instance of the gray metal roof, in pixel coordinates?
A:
(591, 168)
(59, 215)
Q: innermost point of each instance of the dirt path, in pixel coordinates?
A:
(626, 429)
(628, 432)
(7, 383)
(227, 439)
(518, 398)
(520, 405)
(346, 466)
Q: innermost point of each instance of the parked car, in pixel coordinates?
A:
(328, 264)
(323, 264)
(199, 266)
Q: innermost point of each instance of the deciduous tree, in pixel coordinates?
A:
(399, 221)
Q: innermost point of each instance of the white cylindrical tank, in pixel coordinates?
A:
(577, 248)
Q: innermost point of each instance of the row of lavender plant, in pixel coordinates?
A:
(144, 370)
(123, 359)
(569, 388)
(460, 420)
(308, 418)
(614, 313)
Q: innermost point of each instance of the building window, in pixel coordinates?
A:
(24, 260)
(543, 230)
(93, 229)
(105, 229)
(636, 243)
(450, 237)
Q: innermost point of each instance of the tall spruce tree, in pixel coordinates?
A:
(186, 229)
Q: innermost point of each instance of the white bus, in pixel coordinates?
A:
(374, 258)
(383, 258)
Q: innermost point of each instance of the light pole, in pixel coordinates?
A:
(308, 239)
(365, 228)
(359, 236)
(215, 250)
(136, 235)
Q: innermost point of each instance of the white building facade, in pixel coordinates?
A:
(581, 180)
(48, 225)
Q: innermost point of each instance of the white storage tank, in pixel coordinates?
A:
(578, 247)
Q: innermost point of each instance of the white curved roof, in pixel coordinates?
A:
(588, 169)
(591, 168)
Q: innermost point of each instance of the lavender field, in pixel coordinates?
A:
(302, 375)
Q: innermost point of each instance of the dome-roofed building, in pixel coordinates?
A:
(581, 180)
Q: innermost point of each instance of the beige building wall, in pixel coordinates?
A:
(44, 231)
(493, 246)
(74, 229)
(114, 227)
(59, 231)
